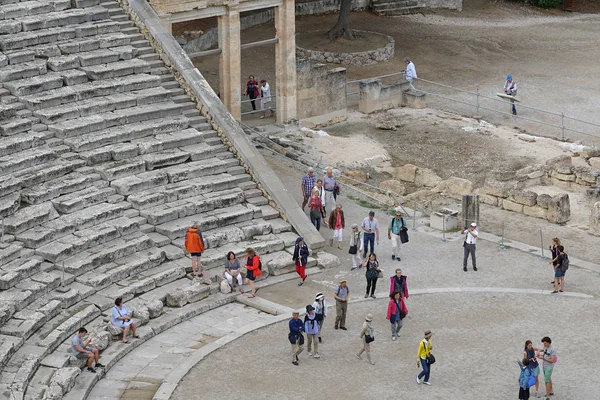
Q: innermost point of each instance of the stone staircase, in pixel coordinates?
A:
(396, 7)
(104, 163)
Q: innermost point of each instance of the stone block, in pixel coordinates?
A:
(594, 162)
(224, 287)
(327, 260)
(595, 219)
(177, 298)
(543, 200)
(101, 339)
(563, 159)
(563, 168)
(426, 177)
(586, 174)
(512, 206)
(281, 264)
(113, 330)
(525, 197)
(559, 209)
(29, 217)
(395, 187)
(454, 187)
(497, 188)
(142, 315)
(406, 173)
(563, 177)
(502, 174)
(65, 378)
(155, 308)
(535, 211)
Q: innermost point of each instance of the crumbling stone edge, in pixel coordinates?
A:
(228, 129)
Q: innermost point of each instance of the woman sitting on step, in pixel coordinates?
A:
(121, 318)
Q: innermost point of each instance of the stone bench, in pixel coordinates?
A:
(170, 140)
(50, 190)
(26, 159)
(116, 69)
(62, 18)
(74, 201)
(23, 141)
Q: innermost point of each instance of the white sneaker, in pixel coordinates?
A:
(427, 383)
(310, 354)
(418, 380)
(317, 355)
(359, 357)
(393, 338)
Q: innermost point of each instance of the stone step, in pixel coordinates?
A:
(164, 158)
(23, 9)
(78, 200)
(184, 190)
(140, 182)
(9, 204)
(36, 84)
(63, 18)
(244, 231)
(103, 104)
(192, 206)
(84, 91)
(143, 51)
(379, 5)
(8, 346)
(44, 172)
(166, 141)
(401, 11)
(160, 71)
(117, 272)
(214, 258)
(126, 24)
(23, 141)
(14, 126)
(106, 253)
(200, 168)
(149, 57)
(113, 170)
(129, 132)
(116, 69)
(29, 217)
(140, 43)
(23, 70)
(172, 84)
(69, 245)
(69, 223)
(17, 270)
(86, 3)
(118, 118)
(120, 18)
(209, 220)
(55, 188)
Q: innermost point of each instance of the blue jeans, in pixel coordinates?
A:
(368, 238)
(425, 372)
(316, 222)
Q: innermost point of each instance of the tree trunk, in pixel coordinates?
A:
(342, 27)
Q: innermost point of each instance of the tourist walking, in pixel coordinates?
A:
(410, 73)
(367, 334)
(311, 327)
(320, 312)
(82, 350)
(301, 258)
(524, 378)
(372, 274)
(396, 312)
(510, 89)
(121, 318)
(253, 269)
(329, 184)
(307, 185)
(425, 358)
(554, 251)
(356, 247)
(296, 337)
(396, 227)
(252, 91)
(321, 190)
(265, 98)
(561, 265)
(337, 223)
(370, 226)
(398, 283)
(529, 353)
(194, 245)
(232, 270)
(470, 245)
(341, 296)
(317, 211)
(549, 360)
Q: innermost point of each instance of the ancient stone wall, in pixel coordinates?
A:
(321, 94)
(374, 96)
(449, 4)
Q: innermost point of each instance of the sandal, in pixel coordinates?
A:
(137, 336)
(251, 296)
(256, 291)
(126, 341)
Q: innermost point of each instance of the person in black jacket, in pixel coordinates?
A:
(296, 336)
(301, 258)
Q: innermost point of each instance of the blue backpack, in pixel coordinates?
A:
(531, 381)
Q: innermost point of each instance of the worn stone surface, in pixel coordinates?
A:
(65, 378)
(525, 197)
(406, 173)
(595, 219)
(497, 188)
(535, 211)
(155, 308)
(454, 187)
(543, 200)
(327, 260)
(559, 209)
(394, 186)
(426, 177)
(101, 339)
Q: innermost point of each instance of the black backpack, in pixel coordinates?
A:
(565, 263)
(259, 265)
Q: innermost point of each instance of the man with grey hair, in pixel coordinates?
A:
(411, 72)
(329, 184)
(308, 183)
(195, 246)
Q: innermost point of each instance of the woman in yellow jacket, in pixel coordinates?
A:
(422, 358)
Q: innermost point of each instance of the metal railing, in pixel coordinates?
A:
(483, 102)
(257, 99)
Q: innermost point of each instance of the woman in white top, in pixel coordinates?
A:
(320, 312)
(265, 98)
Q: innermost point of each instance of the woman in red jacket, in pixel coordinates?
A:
(396, 312)
(253, 266)
(252, 91)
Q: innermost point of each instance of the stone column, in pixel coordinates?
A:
(230, 79)
(285, 61)
(370, 92)
(470, 209)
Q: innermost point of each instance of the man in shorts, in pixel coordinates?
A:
(195, 246)
(81, 350)
(549, 357)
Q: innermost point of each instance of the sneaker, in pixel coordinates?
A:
(353, 268)
(393, 257)
(320, 340)
(317, 355)
(335, 327)
(474, 268)
(373, 296)
(359, 357)
(330, 242)
(555, 291)
(295, 363)
(427, 383)
(366, 295)
(300, 283)
(310, 353)
(343, 328)
(393, 338)
(465, 269)
(100, 365)
(561, 291)
(398, 258)
(92, 370)
(418, 380)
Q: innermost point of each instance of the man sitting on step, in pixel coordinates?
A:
(81, 350)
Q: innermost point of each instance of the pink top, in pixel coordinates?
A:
(338, 221)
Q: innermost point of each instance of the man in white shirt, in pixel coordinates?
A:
(469, 245)
(411, 72)
(370, 226)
